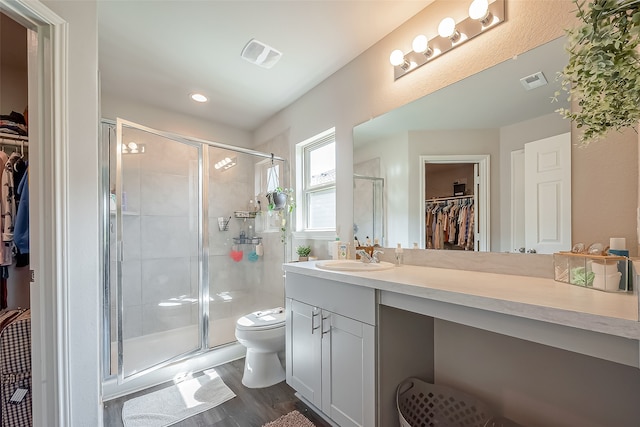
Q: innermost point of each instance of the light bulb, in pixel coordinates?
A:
(479, 9)
(132, 145)
(447, 28)
(420, 43)
(396, 58)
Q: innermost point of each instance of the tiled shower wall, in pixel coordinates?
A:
(160, 265)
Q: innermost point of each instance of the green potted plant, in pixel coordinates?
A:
(603, 73)
(303, 253)
(280, 198)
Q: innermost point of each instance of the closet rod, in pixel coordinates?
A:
(9, 137)
(13, 143)
(443, 199)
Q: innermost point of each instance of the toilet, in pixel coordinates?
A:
(262, 333)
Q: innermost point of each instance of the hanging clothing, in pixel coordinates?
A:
(7, 210)
(449, 223)
(21, 231)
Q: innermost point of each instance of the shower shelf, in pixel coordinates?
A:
(247, 240)
(244, 214)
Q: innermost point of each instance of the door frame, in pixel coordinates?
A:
(482, 196)
(49, 246)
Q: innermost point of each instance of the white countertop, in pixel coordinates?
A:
(527, 297)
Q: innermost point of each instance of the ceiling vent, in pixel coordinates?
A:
(533, 81)
(260, 54)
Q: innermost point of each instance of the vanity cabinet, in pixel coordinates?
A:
(330, 350)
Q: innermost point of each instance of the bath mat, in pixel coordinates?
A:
(177, 402)
(292, 419)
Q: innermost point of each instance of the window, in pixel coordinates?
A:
(316, 182)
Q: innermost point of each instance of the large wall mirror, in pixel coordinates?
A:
(491, 114)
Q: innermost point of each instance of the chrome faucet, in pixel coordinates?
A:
(365, 257)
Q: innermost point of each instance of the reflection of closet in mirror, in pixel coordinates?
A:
(368, 214)
(450, 206)
(455, 197)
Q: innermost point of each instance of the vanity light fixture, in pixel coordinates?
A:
(226, 163)
(132, 148)
(483, 15)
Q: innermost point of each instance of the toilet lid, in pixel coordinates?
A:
(262, 319)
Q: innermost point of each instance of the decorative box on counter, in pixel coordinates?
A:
(608, 273)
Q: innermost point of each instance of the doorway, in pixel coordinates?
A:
(454, 208)
(14, 146)
(48, 217)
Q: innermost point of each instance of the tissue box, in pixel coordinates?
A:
(606, 273)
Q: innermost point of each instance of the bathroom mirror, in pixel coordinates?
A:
(490, 113)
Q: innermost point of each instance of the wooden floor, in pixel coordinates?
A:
(250, 407)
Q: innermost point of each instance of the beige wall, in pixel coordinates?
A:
(13, 66)
(607, 206)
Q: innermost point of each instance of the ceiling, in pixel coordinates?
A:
(157, 52)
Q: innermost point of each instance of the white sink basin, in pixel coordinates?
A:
(353, 265)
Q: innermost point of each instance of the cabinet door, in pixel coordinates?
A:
(304, 336)
(348, 391)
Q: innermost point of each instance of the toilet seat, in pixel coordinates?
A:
(262, 320)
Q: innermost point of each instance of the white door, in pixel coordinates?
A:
(347, 371)
(304, 335)
(548, 194)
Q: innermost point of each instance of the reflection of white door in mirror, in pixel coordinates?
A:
(541, 189)
(480, 199)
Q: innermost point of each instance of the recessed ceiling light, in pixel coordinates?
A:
(198, 97)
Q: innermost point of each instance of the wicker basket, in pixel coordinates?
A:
(422, 404)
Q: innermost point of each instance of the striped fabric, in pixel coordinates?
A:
(15, 370)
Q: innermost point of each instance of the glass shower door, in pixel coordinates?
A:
(158, 223)
(368, 209)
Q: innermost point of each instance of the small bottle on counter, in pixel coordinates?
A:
(399, 255)
(343, 250)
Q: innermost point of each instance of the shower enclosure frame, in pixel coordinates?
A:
(116, 385)
(378, 221)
